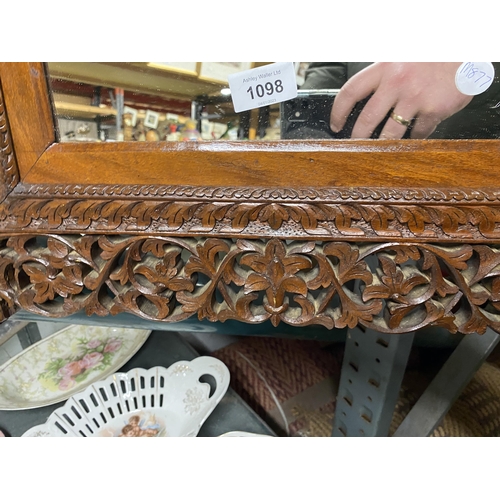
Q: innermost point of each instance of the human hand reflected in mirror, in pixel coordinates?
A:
(418, 94)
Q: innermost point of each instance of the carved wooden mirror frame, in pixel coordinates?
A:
(394, 235)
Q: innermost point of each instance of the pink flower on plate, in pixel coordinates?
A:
(71, 369)
(91, 359)
(94, 343)
(66, 383)
(113, 345)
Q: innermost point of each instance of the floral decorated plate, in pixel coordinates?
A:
(159, 402)
(64, 363)
(242, 434)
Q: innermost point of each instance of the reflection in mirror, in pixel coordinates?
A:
(186, 101)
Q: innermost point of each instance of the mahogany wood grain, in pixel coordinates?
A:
(397, 164)
(27, 102)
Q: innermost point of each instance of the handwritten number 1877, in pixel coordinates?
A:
(471, 72)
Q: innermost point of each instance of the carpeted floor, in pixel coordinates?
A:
(292, 384)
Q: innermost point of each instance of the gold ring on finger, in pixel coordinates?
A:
(400, 120)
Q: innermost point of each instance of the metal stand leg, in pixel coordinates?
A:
(29, 335)
(447, 385)
(372, 371)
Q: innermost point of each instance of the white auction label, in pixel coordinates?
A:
(473, 78)
(263, 86)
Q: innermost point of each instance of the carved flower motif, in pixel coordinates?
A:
(275, 273)
(395, 285)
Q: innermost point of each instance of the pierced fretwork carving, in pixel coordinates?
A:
(9, 175)
(390, 287)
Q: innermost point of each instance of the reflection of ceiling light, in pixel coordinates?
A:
(225, 91)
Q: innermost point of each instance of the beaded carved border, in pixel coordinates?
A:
(389, 287)
(354, 214)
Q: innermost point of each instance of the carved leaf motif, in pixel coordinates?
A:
(302, 248)
(397, 314)
(349, 267)
(165, 274)
(405, 253)
(162, 305)
(69, 282)
(495, 290)
(489, 262)
(155, 246)
(343, 215)
(230, 274)
(6, 273)
(309, 316)
(449, 219)
(120, 274)
(485, 218)
(442, 285)
(18, 243)
(352, 312)
(455, 257)
(274, 215)
(73, 273)
(479, 294)
(134, 251)
(93, 280)
(248, 246)
(243, 311)
(144, 212)
(86, 212)
(447, 322)
(476, 323)
(114, 212)
(307, 215)
(57, 248)
(206, 261)
(43, 285)
(93, 306)
(244, 213)
(178, 213)
(255, 283)
(379, 216)
(54, 212)
(325, 275)
(415, 217)
(211, 213)
(128, 302)
(27, 211)
(110, 248)
(84, 247)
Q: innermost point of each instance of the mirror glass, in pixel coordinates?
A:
(191, 101)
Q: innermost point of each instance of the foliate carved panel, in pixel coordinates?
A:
(390, 287)
(354, 214)
(9, 175)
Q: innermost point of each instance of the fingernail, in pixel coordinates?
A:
(334, 128)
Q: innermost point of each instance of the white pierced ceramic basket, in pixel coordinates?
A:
(142, 403)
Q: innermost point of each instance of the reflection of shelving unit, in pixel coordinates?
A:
(82, 111)
(136, 77)
(154, 86)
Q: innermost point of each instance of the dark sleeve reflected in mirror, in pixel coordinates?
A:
(480, 119)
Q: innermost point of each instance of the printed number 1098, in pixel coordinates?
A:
(268, 89)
